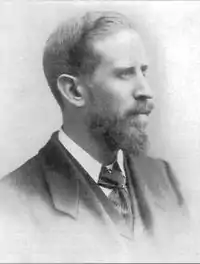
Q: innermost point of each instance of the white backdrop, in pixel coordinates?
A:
(29, 114)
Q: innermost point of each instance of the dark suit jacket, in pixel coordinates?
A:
(52, 210)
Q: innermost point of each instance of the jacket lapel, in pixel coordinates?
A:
(66, 179)
(132, 170)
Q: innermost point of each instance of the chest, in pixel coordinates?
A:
(43, 235)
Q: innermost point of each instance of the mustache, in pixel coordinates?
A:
(142, 108)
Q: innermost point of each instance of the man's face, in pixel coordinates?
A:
(120, 98)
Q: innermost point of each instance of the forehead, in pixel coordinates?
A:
(122, 48)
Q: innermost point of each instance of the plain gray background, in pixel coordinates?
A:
(171, 33)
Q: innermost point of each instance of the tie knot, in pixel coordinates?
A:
(112, 178)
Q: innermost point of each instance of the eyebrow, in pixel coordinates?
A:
(131, 69)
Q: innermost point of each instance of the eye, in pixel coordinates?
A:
(144, 70)
(126, 73)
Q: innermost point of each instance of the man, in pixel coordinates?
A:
(91, 190)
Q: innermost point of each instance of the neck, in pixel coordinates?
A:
(97, 148)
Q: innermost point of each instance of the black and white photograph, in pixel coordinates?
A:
(99, 131)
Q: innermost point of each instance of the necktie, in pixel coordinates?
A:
(115, 180)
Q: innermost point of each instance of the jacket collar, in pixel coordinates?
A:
(60, 175)
(68, 182)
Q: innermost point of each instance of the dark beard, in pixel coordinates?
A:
(126, 134)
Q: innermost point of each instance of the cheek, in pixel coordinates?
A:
(122, 93)
(114, 96)
(104, 98)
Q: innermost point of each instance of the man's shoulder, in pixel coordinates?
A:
(152, 163)
(25, 175)
(157, 176)
(30, 174)
(20, 188)
(161, 171)
(30, 183)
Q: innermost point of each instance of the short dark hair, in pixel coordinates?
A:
(68, 48)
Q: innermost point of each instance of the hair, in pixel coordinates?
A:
(69, 48)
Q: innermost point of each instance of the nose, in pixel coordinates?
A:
(142, 90)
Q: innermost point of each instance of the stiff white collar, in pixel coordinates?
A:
(91, 165)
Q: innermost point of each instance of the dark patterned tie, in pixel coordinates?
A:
(115, 180)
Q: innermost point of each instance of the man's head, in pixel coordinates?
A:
(96, 66)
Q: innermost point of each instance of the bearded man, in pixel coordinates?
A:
(91, 190)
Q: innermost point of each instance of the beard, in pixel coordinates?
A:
(126, 133)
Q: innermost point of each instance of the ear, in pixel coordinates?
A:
(70, 89)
